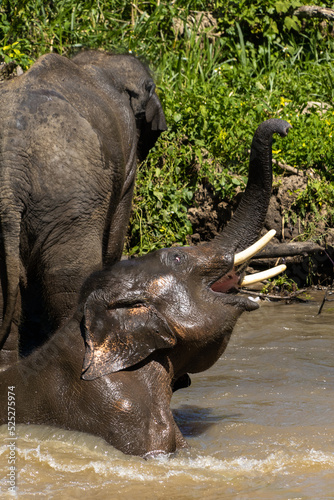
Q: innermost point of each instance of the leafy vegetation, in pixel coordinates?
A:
(282, 283)
(218, 75)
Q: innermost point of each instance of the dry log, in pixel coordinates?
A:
(288, 249)
(314, 11)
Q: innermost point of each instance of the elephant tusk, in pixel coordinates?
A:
(263, 275)
(245, 255)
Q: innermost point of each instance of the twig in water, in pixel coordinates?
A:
(325, 299)
(291, 296)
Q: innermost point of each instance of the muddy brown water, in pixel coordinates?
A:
(260, 424)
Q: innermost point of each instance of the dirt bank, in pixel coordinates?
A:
(209, 214)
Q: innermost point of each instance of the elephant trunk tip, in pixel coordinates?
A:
(285, 131)
(272, 126)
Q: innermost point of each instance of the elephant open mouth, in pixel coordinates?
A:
(227, 283)
(236, 278)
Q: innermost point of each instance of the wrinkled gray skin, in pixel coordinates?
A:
(71, 132)
(141, 327)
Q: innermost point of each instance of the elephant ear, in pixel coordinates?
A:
(155, 115)
(120, 335)
(152, 126)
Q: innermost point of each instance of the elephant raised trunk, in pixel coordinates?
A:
(248, 220)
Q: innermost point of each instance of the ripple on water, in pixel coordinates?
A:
(54, 461)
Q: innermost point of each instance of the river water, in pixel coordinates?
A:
(260, 424)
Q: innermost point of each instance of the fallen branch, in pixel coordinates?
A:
(314, 11)
(263, 296)
(287, 167)
(324, 300)
(288, 249)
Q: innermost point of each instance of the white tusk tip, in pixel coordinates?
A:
(245, 255)
(263, 275)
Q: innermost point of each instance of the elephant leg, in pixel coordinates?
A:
(179, 439)
(164, 436)
(9, 354)
(140, 421)
(115, 232)
(162, 433)
(149, 424)
(54, 280)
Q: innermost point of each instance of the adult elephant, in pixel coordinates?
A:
(71, 132)
(141, 327)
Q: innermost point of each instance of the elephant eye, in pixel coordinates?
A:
(150, 87)
(133, 94)
(178, 258)
(174, 258)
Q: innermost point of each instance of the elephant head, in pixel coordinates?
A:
(132, 78)
(180, 304)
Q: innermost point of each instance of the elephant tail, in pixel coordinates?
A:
(10, 269)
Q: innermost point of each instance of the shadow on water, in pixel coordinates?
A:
(193, 420)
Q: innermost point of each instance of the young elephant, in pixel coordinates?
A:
(141, 327)
(71, 134)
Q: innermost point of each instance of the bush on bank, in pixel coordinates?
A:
(222, 67)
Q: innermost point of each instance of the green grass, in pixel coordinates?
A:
(215, 91)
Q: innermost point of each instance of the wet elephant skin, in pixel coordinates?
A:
(141, 327)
